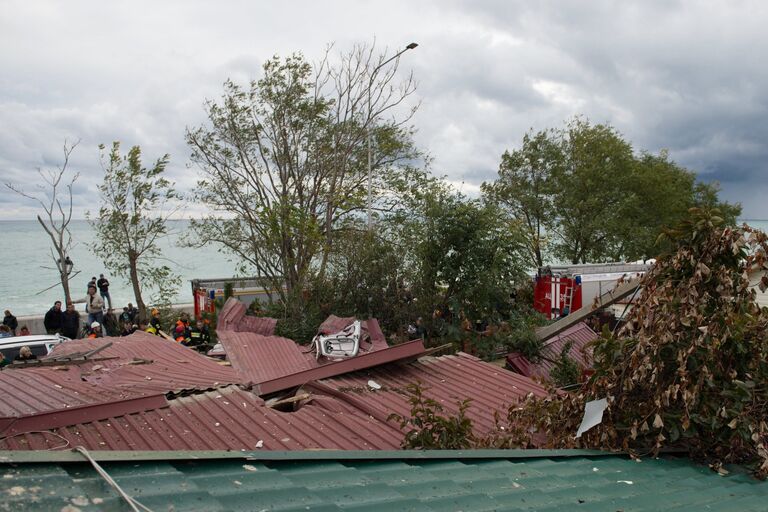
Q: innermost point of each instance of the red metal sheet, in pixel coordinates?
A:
(447, 379)
(226, 419)
(368, 360)
(168, 366)
(579, 334)
(232, 317)
(259, 358)
(43, 398)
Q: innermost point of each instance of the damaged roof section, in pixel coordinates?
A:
(148, 363)
(225, 419)
(340, 413)
(143, 392)
(578, 335)
(273, 363)
(232, 317)
(44, 398)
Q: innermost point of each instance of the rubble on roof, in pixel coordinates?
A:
(143, 392)
(579, 335)
(148, 363)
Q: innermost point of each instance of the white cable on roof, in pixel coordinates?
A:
(131, 501)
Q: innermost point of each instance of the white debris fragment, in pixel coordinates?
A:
(595, 469)
(593, 415)
(628, 482)
(249, 467)
(80, 501)
(373, 384)
(16, 490)
(259, 443)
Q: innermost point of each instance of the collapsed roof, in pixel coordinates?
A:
(143, 392)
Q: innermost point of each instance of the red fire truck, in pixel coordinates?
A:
(560, 290)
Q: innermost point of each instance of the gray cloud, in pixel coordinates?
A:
(679, 75)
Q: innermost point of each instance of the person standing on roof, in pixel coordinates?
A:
(103, 285)
(10, 321)
(54, 319)
(71, 326)
(95, 305)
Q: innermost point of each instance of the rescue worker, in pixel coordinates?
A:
(154, 322)
(95, 330)
(143, 326)
(198, 337)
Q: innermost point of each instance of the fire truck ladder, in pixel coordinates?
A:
(568, 298)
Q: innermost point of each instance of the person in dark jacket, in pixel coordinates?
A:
(198, 338)
(71, 325)
(10, 321)
(54, 319)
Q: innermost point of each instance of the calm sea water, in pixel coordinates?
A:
(25, 250)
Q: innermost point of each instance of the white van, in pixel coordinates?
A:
(41, 345)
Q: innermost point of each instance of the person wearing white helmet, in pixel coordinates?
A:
(95, 330)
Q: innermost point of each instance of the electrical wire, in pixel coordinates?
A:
(43, 432)
(134, 504)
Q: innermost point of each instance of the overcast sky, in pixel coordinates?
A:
(679, 75)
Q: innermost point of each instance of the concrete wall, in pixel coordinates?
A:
(35, 322)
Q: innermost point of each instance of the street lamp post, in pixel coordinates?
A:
(410, 46)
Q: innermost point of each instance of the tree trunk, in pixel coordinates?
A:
(132, 263)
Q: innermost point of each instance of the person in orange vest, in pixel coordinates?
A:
(95, 330)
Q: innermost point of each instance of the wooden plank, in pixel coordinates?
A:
(605, 300)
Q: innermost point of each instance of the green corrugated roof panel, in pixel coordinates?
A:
(570, 481)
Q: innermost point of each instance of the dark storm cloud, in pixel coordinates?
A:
(679, 75)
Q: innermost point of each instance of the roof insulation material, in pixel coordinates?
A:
(148, 363)
(579, 335)
(226, 419)
(48, 397)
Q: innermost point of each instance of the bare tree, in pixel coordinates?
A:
(54, 195)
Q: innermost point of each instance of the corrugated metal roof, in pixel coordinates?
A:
(579, 334)
(167, 366)
(258, 358)
(274, 361)
(226, 419)
(43, 398)
(447, 379)
(449, 483)
(326, 369)
(232, 317)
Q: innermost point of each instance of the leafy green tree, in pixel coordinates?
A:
(136, 202)
(525, 188)
(590, 191)
(467, 257)
(284, 162)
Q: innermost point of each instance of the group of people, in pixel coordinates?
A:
(102, 320)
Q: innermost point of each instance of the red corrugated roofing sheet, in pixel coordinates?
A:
(579, 334)
(259, 358)
(43, 398)
(226, 419)
(447, 379)
(168, 366)
(232, 317)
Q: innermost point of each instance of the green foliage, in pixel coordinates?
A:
(429, 429)
(689, 368)
(582, 195)
(229, 290)
(566, 371)
(132, 220)
(525, 188)
(284, 162)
